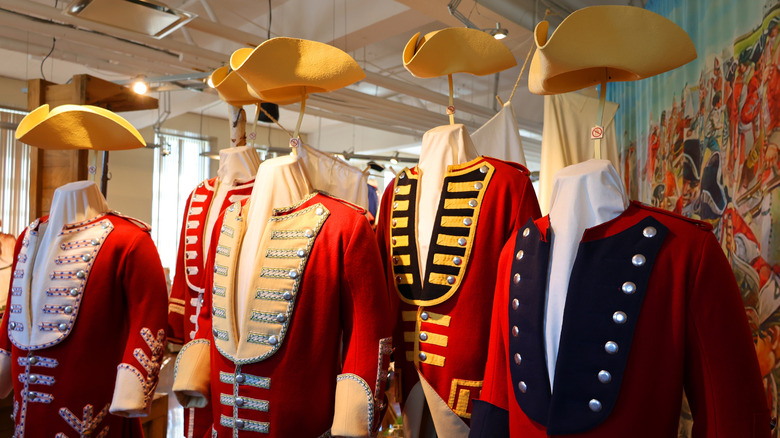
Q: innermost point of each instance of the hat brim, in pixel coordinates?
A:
(231, 88)
(612, 43)
(456, 50)
(298, 66)
(78, 127)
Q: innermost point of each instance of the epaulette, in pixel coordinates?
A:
(701, 224)
(138, 223)
(358, 208)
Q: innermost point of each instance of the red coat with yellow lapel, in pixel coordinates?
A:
(96, 338)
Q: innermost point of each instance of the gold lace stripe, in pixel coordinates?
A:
(403, 190)
(457, 203)
(433, 338)
(409, 315)
(454, 221)
(436, 278)
(400, 222)
(438, 319)
(403, 260)
(465, 186)
(400, 241)
(404, 278)
(445, 260)
(401, 205)
(449, 240)
(430, 359)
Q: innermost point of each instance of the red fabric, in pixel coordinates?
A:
(342, 306)
(508, 203)
(691, 333)
(125, 293)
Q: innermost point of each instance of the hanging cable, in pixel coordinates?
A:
(53, 43)
(269, 20)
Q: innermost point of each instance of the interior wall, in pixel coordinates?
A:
(13, 93)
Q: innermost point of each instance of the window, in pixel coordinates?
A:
(14, 174)
(178, 168)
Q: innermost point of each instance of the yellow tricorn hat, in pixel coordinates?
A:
(625, 43)
(231, 88)
(283, 70)
(456, 50)
(78, 127)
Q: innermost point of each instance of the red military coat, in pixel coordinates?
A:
(309, 354)
(443, 323)
(652, 308)
(84, 349)
(189, 280)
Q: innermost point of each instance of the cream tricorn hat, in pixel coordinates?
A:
(625, 43)
(456, 50)
(231, 88)
(283, 70)
(78, 127)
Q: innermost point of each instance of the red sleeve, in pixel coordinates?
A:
(529, 206)
(177, 302)
(383, 238)
(723, 381)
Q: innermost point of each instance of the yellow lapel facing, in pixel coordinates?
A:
(284, 251)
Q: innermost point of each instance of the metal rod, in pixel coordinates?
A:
(104, 176)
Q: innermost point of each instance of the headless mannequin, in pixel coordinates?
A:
(280, 182)
(236, 166)
(584, 195)
(442, 147)
(73, 202)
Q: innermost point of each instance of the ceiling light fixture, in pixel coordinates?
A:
(140, 86)
(498, 32)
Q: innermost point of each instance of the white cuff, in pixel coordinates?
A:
(130, 397)
(192, 373)
(354, 415)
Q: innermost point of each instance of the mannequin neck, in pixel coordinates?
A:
(237, 164)
(445, 146)
(585, 195)
(76, 202)
(280, 182)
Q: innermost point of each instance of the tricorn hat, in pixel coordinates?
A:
(231, 88)
(78, 127)
(283, 70)
(626, 43)
(456, 50)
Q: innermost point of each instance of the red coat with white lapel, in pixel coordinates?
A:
(652, 308)
(443, 327)
(189, 280)
(87, 347)
(311, 350)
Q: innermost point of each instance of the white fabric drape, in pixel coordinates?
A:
(335, 177)
(499, 137)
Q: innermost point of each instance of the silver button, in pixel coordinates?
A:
(239, 401)
(649, 232)
(30, 395)
(287, 295)
(393, 240)
(423, 336)
(12, 325)
(215, 332)
(467, 222)
(86, 257)
(273, 340)
(62, 327)
(395, 222)
(462, 241)
(594, 405)
(396, 260)
(424, 316)
(73, 292)
(240, 378)
(520, 254)
(628, 287)
(215, 269)
(397, 189)
(457, 261)
(638, 260)
(104, 224)
(308, 232)
(619, 317)
(483, 169)
(395, 205)
(518, 358)
(301, 252)
(515, 331)
(478, 186)
(33, 378)
(293, 273)
(68, 309)
(81, 274)
(33, 360)
(402, 175)
(450, 279)
(398, 278)
(94, 242)
(423, 356)
(239, 424)
(473, 203)
(281, 317)
(522, 386)
(515, 303)
(516, 278)
(526, 232)
(611, 347)
(605, 376)
(319, 211)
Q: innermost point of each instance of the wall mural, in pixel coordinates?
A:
(704, 141)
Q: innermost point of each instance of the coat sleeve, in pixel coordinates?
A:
(143, 282)
(177, 302)
(366, 344)
(723, 381)
(6, 378)
(490, 417)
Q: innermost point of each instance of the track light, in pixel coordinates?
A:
(498, 33)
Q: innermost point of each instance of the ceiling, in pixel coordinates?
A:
(389, 100)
